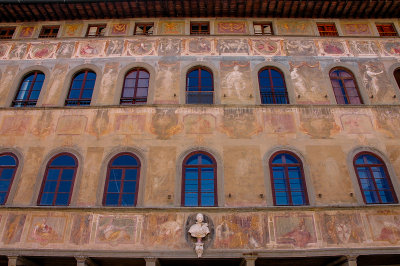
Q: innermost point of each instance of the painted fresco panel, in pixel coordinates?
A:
(167, 83)
(279, 122)
(356, 123)
(199, 46)
(199, 124)
(384, 227)
(358, 29)
(44, 50)
(26, 32)
(88, 49)
(391, 48)
(318, 123)
(72, 30)
(81, 228)
(115, 48)
(267, 47)
(240, 123)
(172, 27)
(47, 229)
(231, 27)
(235, 82)
(13, 230)
(233, 46)
(333, 48)
(71, 124)
(165, 124)
(119, 29)
(294, 27)
(139, 47)
(15, 125)
(300, 47)
(364, 48)
(129, 124)
(165, 230)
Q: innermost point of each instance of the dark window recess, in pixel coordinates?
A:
(8, 167)
(49, 32)
(144, 29)
(374, 180)
(7, 32)
(199, 180)
(327, 29)
(344, 87)
(199, 28)
(81, 90)
(136, 85)
(122, 182)
(29, 90)
(96, 30)
(396, 74)
(272, 86)
(263, 29)
(199, 86)
(287, 176)
(386, 29)
(58, 181)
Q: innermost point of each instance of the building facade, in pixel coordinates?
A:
(279, 121)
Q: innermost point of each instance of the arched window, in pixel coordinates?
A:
(199, 86)
(287, 175)
(396, 74)
(58, 180)
(374, 179)
(344, 87)
(136, 85)
(8, 167)
(199, 181)
(29, 90)
(272, 86)
(122, 182)
(81, 90)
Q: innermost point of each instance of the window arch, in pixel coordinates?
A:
(29, 89)
(58, 180)
(272, 86)
(136, 86)
(396, 74)
(199, 86)
(122, 182)
(287, 179)
(8, 167)
(373, 179)
(344, 86)
(81, 90)
(199, 180)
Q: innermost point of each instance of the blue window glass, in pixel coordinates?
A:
(122, 184)
(59, 180)
(81, 90)
(344, 87)
(374, 180)
(199, 86)
(29, 90)
(135, 87)
(287, 177)
(8, 167)
(199, 180)
(272, 86)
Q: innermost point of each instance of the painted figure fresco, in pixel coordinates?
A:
(385, 227)
(139, 47)
(266, 46)
(392, 48)
(342, 228)
(45, 230)
(376, 82)
(167, 82)
(119, 29)
(364, 48)
(318, 123)
(65, 49)
(232, 46)
(117, 230)
(18, 51)
(165, 230)
(169, 47)
(298, 231)
(91, 49)
(240, 123)
(72, 30)
(231, 27)
(115, 47)
(235, 81)
(26, 32)
(238, 231)
(356, 29)
(14, 226)
(331, 47)
(172, 27)
(4, 49)
(81, 228)
(300, 48)
(294, 28)
(199, 46)
(42, 50)
(307, 80)
(164, 124)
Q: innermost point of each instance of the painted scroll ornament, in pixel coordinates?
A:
(199, 230)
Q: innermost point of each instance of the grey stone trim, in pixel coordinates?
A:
(17, 178)
(355, 71)
(39, 179)
(220, 174)
(353, 175)
(216, 79)
(121, 78)
(18, 79)
(68, 81)
(141, 154)
(286, 76)
(306, 169)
